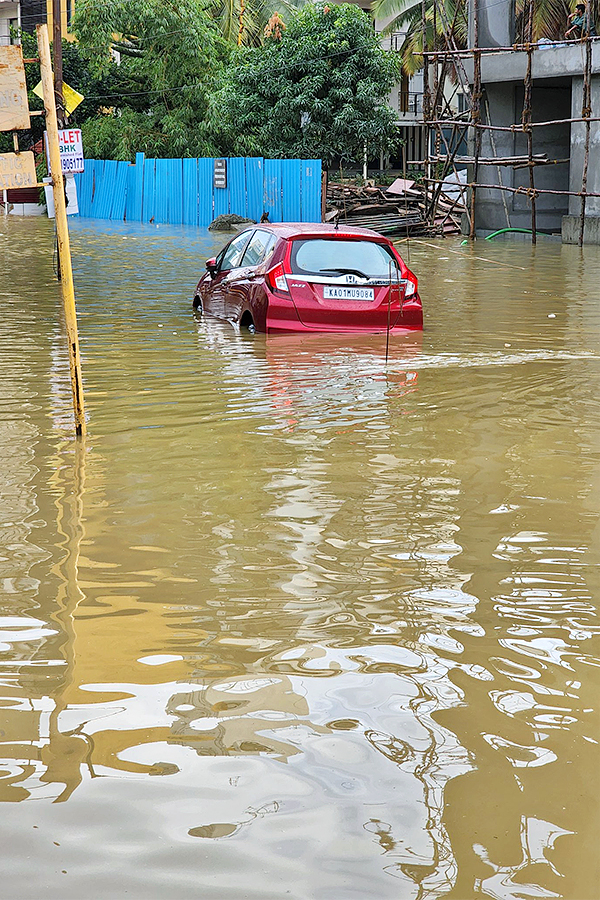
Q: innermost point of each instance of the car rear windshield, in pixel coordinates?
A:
(322, 256)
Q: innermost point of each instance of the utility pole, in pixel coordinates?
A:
(58, 61)
(62, 229)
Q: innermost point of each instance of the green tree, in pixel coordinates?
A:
(169, 55)
(317, 88)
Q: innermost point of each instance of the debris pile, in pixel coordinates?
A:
(405, 207)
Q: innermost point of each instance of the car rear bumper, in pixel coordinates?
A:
(283, 318)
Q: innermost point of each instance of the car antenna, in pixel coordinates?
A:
(337, 221)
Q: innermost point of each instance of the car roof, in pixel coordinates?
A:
(289, 230)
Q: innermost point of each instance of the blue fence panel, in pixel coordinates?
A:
(236, 181)
(85, 186)
(180, 191)
(149, 195)
(190, 191)
(130, 198)
(138, 193)
(311, 190)
(86, 203)
(254, 187)
(291, 178)
(161, 196)
(107, 189)
(272, 190)
(175, 191)
(205, 192)
(221, 197)
(120, 192)
(97, 171)
(102, 188)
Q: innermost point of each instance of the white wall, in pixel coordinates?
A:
(8, 11)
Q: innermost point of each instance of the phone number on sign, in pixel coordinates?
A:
(72, 164)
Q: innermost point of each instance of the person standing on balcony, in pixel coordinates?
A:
(581, 23)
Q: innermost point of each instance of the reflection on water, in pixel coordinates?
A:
(293, 622)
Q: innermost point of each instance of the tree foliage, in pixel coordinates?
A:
(159, 77)
(317, 88)
(170, 55)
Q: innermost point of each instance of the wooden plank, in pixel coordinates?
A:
(17, 170)
(14, 106)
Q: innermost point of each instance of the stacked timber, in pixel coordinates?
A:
(403, 208)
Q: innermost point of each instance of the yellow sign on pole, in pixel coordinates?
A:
(14, 108)
(17, 170)
(71, 97)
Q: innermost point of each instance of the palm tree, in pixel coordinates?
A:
(243, 22)
(549, 19)
(443, 19)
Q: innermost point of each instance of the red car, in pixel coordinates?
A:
(302, 278)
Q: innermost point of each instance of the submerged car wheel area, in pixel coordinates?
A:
(302, 278)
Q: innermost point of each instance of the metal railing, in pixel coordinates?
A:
(410, 103)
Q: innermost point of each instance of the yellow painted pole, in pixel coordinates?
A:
(62, 229)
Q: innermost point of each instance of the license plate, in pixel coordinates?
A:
(333, 292)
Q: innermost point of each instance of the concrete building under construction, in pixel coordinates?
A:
(533, 126)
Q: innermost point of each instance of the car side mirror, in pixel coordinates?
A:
(211, 265)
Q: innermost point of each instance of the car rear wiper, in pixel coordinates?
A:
(344, 272)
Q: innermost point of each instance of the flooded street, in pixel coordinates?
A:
(293, 623)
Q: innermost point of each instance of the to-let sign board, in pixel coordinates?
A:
(14, 108)
(71, 150)
(17, 170)
(70, 145)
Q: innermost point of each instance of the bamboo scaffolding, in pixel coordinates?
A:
(439, 118)
(426, 100)
(514, 162)
(520, 190)
(475, 117)
(520, 47)
(586, 111)
(518, 127)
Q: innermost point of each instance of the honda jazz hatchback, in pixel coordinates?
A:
(302, 278)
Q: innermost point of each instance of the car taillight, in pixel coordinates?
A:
(276, 278)
(411, 284)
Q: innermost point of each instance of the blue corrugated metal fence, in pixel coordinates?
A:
(176, 191)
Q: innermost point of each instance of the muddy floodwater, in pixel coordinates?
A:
(292, 622)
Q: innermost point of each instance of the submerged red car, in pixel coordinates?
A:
(303, 277)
